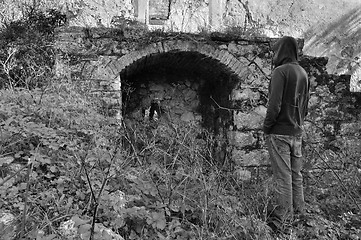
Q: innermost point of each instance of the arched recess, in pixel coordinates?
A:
(216, 69)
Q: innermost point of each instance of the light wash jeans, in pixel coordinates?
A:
(286, 162)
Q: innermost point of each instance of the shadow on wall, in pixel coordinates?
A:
(340, 41)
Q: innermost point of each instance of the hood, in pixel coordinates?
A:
(285, 51)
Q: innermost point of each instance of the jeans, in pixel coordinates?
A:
(286, 162)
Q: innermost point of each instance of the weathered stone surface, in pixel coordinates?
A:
(70, 230)
(233, 48)
(355, 84)
(261, 110)
(250, 120)
(330, 28)
(156, 87)
(254, 158)
(241, 139)
(62, 68)
(187, 117)
(332, 106)
(242, 174)
(243, 94)
(7, 222)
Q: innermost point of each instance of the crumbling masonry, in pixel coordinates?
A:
(217, 81)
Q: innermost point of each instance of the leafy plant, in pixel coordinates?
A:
(26, 53)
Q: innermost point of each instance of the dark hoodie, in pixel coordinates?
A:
(288, 91)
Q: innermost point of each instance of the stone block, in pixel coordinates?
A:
(254, 158)
(245, 94)
(159, 47)
(242, 174)
(264, 65)
(247, 51)
(207, 50)
(169, 46)
(188, 117)
(133, 56)
(234, 64)
(148, 51)
(314, 101)
(241, 139)
(223, 47)
(186, 45)
(7, 222)
(115, 65)
(250, 120)
(103, 83)
(116, 85)
(355, 82)
(261, 110)
(103, 72)
(233, 48)
(190, 95)
(217, 54)
(229, 58)
(119, 64)
(241, 70)
(245, 62)
(156, 87)
(224, 56)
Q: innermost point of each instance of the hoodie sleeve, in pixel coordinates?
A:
(275, 100)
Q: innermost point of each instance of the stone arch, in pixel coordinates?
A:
(112, 67)
(235, 65)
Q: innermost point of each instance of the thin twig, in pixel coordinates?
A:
(224, 108)
(14, 174)
(131, 144)
(104, 183)
(259, 67)
(337, 176)
(26, 200)
(88, 180)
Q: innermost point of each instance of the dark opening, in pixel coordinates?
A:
(180, 86)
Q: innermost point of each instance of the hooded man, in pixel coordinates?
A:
(287, 108)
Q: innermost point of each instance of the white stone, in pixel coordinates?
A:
(245, 94)
(355, 82)
(261, 110)
(250, 120)
(187, 117)
(7, 220)
(241, 139)
(69, 230)
(242, 175)
(253, 158)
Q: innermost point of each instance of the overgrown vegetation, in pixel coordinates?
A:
(68, 172)
(84, 167)
(26, 50)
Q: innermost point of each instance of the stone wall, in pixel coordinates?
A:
(218, 81)
(330, 28)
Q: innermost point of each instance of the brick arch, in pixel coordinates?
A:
(236, 65)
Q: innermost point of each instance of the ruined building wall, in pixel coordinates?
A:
(97, 58)
(330, 28)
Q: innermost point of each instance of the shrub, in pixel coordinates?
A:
(26, 52)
